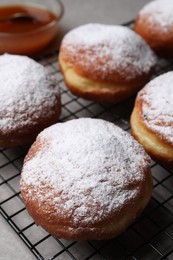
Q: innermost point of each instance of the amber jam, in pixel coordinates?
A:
(21, 36)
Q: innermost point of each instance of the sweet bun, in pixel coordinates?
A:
(155, 24)
(105, 63)
(29, 100)
(152, 118)
(85, 179)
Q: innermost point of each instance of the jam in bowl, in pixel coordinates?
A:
(27, 27)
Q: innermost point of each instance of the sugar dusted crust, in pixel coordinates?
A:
(96, 90)
(152, 118)
(85, 179)
(155, 24)
(30, 100)
(105, 62)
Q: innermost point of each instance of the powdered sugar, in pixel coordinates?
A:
(160, 13)
(108, 49)
(27, 92)
(88, 167)
(157, 108)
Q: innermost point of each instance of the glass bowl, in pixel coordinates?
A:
(29, 36)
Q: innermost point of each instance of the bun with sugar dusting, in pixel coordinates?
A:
(155, 25)
(105, 63)
(29, 100)
(152, 118)
(85, 179)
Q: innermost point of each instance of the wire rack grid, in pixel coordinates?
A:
(150, 237)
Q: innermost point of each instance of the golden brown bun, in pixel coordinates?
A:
(30, 100)
(105, 63)
(154, 24)
(152, 119)
(85, 179)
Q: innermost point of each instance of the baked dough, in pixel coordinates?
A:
(85, 179)
(105, 63)
(155, 24)
(29, 100)
(152, 118)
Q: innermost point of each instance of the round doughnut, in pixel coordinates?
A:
(105, 63)
(29, 100)
(152, 118)
(155, 24)
(85, 179)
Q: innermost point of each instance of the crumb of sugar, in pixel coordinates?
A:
(27, 92)
(88, 162)
(159, 12)
(108, 48)
(157, 107)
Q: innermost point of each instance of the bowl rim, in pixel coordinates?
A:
(43, 28)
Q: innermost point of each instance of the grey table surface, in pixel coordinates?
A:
(77, 12)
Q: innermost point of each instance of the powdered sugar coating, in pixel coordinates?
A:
(159, 13)
(108, 49)
(27, 92)
(157, 105)
(89, 169)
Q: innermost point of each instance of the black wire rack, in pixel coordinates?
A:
(149, 238)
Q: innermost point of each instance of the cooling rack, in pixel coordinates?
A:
(150, 237)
